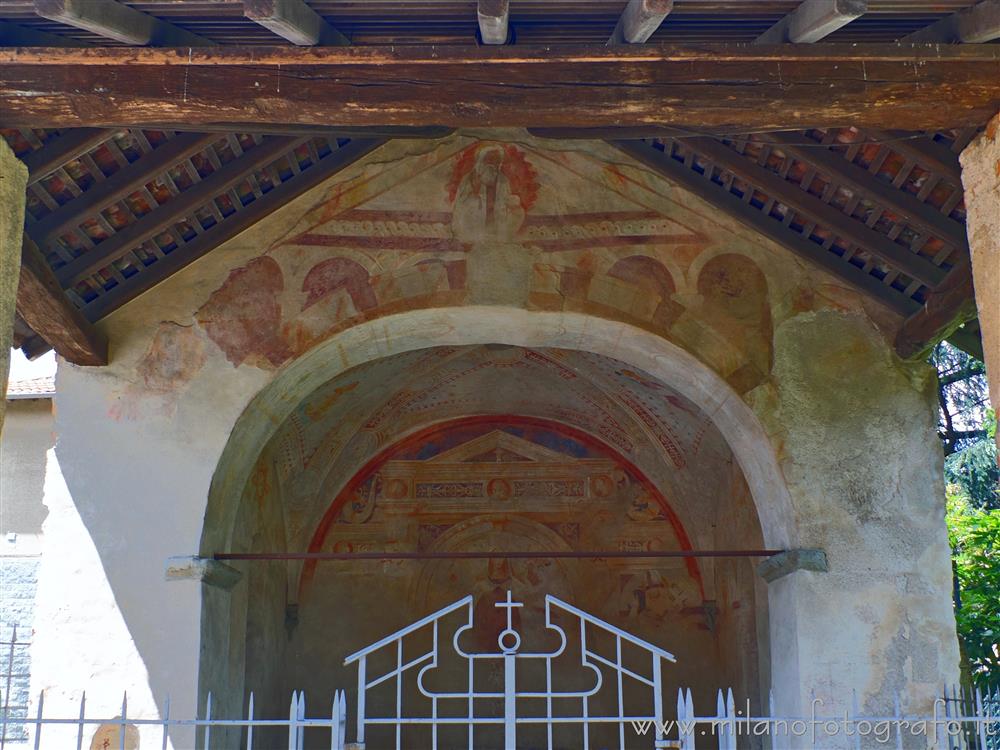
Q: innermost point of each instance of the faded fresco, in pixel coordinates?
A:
(501, 449)
(484, 222)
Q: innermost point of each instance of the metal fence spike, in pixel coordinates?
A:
(38, 722)
(166, 721)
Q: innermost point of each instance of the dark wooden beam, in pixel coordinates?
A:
(174, 210)
(16, 35)
(947, 308)
(230, 227)
(814, 209)
(114, 20)
(63, 148)
(772, 229)
(969, 338)
(122, 183)
(813, 20)
(293, 20)
(267, 128)
(639, 20)
(42, 304)
(751, 87)
(923, 150)
(494, 19)
(901, 203)
(976, 24)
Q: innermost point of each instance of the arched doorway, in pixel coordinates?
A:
(490, 447)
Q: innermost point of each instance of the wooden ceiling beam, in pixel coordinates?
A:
(63, 148)
(923, 150)
(494, 21)
(16, 35)
(974, 25)
(813, 20)
(808, 205)
(295, 21)
(738, 86)
(122, 183)
(901, 203)
(774, 230)
(174, 210)
(42, 304)
(947, 309)
(114, 20)
(230, 227)
(639, 20)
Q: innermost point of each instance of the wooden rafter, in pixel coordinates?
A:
(805, 203)
(42, 305)
(924, 151)
(62, 149)
(713, 86)
(294, 21)
(119, 185)
(900, 202)
(949, 306)
(493, 17)
(976, 24)
(174, 210)
(114, 20)
(263, 206)
(726, 201)
(813, 20)
(639, 20)
(16, 35)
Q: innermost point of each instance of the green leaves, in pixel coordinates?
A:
(974, 534)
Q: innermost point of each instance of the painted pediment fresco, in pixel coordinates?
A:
(498, 447)
(484, 222)
(464, 221)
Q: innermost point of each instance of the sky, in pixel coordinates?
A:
(23, 369)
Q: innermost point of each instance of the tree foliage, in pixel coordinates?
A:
(974, 533)
(967, 428)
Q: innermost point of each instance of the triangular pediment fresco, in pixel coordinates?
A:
(498, 446)
(492, 190)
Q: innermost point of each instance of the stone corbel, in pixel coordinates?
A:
(205, 569)
(791, 560)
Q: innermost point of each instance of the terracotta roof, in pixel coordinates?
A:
(33, 388)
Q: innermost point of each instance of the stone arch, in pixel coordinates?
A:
(420, 329)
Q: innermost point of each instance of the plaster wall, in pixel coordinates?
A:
(24, 444)
(13, 180)
(981, 179)
(834, 434)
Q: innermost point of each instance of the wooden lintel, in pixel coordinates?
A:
(947, 307)
(750, 87)
(973, 25)
(64, 148)
(639, 20)
(114, 20)
(42, 304)
(493, 17)
(293, 20)
(774, 230)
(813, 20)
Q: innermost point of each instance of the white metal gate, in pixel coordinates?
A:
(632, 684)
